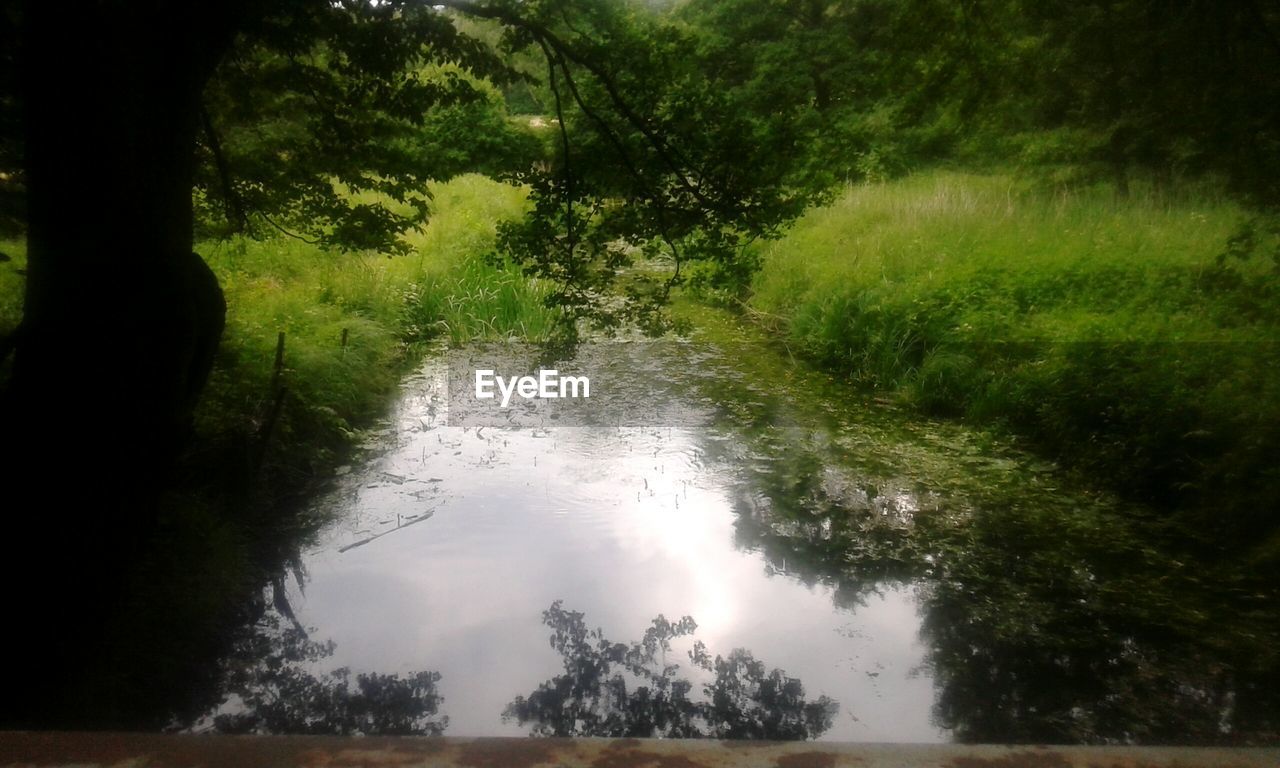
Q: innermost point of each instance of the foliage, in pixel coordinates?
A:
(312, 109)
(839, 72)
(676, 134)
(655, 164)
(875, 87)
(1185, 88)
(12, 181)
(1176, 90)
(592, 697)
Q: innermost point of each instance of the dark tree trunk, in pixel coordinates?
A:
(120, 319)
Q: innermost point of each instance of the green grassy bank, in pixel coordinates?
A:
(386, 307)
(1108, 331)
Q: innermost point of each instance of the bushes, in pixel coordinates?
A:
(1113, 333)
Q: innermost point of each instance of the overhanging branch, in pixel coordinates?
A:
(671, 157)
(558, 54)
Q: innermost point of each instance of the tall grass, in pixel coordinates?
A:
(1108, 330)
(387, 307)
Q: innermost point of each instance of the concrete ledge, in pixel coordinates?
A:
(126, 750)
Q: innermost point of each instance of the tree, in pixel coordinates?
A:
(294, 102)
(822, 62)
(652, 151)
(1187, 86)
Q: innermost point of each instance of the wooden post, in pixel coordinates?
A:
(278, 393)
(275, 373)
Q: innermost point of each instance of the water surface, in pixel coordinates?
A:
(936, 583)
(622, 524)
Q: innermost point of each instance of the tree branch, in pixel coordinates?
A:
(286, 232)
(231, 200)
(607, 131)
(670, 155)
(564, 139)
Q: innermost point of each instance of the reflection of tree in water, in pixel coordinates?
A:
(820, 527)
(616, 690)
(270, 686)
(1047, 617)
(809, 521)
(1053, 625)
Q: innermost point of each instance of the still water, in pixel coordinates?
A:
(450, 544)
(622, 525)
(931, 582)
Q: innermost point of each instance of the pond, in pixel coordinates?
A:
(886, 578)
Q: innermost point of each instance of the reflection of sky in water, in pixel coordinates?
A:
(622, 524)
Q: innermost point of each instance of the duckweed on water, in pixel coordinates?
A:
(1052, 613)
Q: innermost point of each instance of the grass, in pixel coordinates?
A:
(1107, 330)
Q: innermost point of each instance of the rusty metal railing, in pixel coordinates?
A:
(121, 750)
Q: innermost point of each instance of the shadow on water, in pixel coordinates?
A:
(814, 526)
(1080, 625)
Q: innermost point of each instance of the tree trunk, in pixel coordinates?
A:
(120, 319)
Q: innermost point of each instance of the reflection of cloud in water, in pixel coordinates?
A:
(621, 523)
